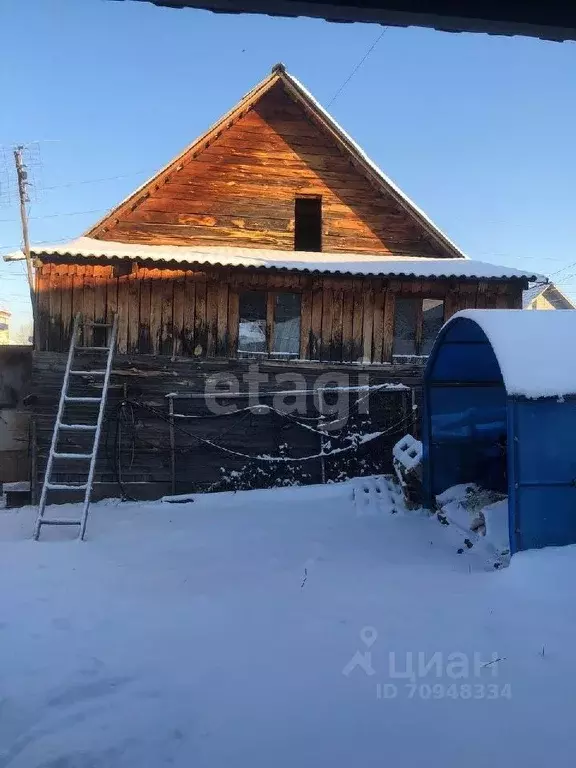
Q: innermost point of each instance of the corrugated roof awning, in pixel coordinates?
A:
(299, 261)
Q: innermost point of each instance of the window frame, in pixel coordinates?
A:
(270, 304)
(418, 336)
(251, 354)
(443, 320)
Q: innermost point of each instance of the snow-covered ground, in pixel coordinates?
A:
(270, 628)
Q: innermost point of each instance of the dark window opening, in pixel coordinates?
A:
(416, 325)
(308, 224)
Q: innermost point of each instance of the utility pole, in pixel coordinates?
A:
(22, 175)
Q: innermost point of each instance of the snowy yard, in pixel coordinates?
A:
(223, 633)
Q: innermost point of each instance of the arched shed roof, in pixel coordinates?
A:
(535, 351)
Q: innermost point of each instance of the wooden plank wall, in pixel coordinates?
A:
(240, 191)
(183, 313)
(141, 433)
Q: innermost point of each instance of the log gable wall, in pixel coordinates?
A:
(240, 191)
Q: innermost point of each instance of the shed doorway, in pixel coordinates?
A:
(465, 425)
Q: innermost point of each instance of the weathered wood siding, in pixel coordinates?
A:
(185, 313)
(240, 191)
(135, 447)
(15, 382)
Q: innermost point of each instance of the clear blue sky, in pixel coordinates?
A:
(478, 130)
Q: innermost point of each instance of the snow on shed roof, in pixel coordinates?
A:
(306, 261)
(531, 349)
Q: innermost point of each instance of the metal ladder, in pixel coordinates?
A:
(60, 426)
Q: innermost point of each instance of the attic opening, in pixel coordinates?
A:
(308, 224)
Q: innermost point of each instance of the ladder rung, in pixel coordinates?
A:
(65, 398)
(82, 399)
(88, 373)
(72, 455)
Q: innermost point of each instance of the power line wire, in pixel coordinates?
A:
(562, 269)
(56, 215)
(95, 181)
(38, 242)
(357, 67)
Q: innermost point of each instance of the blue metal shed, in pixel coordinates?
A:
(500, 411)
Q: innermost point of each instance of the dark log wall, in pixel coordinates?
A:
(136, 443)
(240, 191)
(195, 314)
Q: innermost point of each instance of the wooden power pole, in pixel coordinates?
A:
(22, 175)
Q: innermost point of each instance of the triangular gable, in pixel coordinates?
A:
(559, 296)
(370, 214)
(554, 297)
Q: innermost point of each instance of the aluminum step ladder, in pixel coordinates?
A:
(60, 426)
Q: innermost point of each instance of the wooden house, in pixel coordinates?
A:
(4, 326)
(547, 296)
(273, 238)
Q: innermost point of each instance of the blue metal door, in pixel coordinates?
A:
(544, 473)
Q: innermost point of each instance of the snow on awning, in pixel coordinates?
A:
(532, 348)
(303, 261)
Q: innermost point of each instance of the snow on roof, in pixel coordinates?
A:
(532, 293)
(531, 349)
(343, 263)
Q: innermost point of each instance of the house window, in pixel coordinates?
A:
(416, 325)
(308, 224)
(252, 327)
(286, 333)
(405, 323)
(432, 321)
(269, 324)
